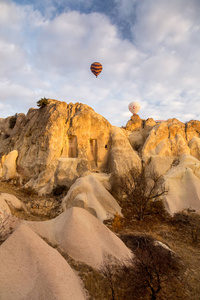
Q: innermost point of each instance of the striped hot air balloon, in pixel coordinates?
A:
(96, 68)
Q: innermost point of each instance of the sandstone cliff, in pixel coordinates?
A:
(57, 143)
(61, 142)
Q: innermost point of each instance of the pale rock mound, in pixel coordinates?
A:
(88, 192)
(30, 269)
(12, 200)
(4, 206)
(184, 185)
(122, 156)
(83, 237)
(104, 178)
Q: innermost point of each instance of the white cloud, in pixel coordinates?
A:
(51, 56)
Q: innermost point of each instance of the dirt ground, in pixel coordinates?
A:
(36, 208)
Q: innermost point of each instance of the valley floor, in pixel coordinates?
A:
(181, 233)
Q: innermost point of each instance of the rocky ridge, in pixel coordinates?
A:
(59, 143)
(71, 146)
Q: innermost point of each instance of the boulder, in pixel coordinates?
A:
(88, 192)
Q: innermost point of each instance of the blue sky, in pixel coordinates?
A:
(149, 49)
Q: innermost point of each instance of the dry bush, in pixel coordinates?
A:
(188, 223)
(117, 222)
(60, 190)
(42, 102)
(153, 273)
(140, 189)
(155, 268)
(12, 121)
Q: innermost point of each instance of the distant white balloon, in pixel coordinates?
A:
(134, 107)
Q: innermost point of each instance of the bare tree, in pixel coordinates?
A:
(140, 187)
(151, 273)
(154, 267)
(109, 272)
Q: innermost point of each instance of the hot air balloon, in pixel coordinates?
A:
(96, 68)
(134, 107)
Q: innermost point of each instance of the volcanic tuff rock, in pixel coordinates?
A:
(31, 269)
(8, 162)
(59, 130)
(134, 123)
(122, 156)
(88, 192)
(183, 181)
(83, 237)
(61, 142)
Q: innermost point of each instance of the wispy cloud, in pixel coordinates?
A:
(46, 51)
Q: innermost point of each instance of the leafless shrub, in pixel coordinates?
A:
(153, 270)
(141, 188)
(189, 223)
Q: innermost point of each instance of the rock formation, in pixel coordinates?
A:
(31, 269)
(122, 156)
(55, 139)
(184, 185)
(59, 143)
(83, 237)
(88, 192)
(72, 146)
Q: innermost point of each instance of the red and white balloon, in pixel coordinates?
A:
(134, 107)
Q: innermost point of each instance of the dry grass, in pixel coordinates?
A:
(175, 232)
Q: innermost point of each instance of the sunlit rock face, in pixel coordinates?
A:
(134, 123)
(8, 165)
(192, 129)
(59, 130)
(122, 157)
(171, 148)
(166, 139)
(59, 143)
